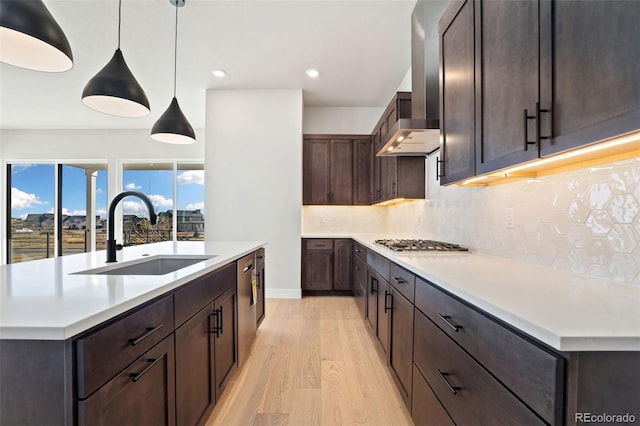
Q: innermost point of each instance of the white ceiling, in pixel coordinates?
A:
(362, 49)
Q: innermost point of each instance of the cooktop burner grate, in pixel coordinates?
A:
(420, 245)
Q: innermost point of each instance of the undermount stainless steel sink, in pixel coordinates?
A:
(156, 265)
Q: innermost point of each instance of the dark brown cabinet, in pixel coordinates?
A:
(507, 75)
(457, 94)
(326, 264)
(425, 408)
(337, 169)
(384, 308)
(142, 394)
(246, 275)
(362, 172)
(523, 80)
(590, 64)
(359, 283)
(205, 345)
(260, 284)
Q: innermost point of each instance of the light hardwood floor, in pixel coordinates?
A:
(313, 363)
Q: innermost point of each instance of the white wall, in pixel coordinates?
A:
(105, 146)
(340, 120)
(253, 177)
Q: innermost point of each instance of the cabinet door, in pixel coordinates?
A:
(359, 283)
(342, 264)
(410, 177)
(426, 409)
(388, 178)
(316, 170)
(457, 107)
(318, 269)
(143, 394)
(260, 278)
(377, 163)
(224, 339)
(507, 35)
(362, 172)
(372, 300)
(401, 343)
(384, 309)
(195, 367)
(341, 165)
(596, 64)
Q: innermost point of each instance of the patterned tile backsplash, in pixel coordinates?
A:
(585, 221)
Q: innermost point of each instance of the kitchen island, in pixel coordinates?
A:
(73, 342)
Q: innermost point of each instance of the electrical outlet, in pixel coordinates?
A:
(510, 218)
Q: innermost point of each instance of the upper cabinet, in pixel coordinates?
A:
(548, 76)
(336, 169)
(590, 72)
(457, 94)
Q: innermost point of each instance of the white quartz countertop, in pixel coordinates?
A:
(567, 311)
(45, 300)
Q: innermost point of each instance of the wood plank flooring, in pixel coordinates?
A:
(313, 363)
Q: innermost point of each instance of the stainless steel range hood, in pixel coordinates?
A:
(420, 134)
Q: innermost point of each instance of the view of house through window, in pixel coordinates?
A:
(190, 195)
(43, 214)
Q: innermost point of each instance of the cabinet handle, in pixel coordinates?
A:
(215, 329)
(528, 117)
(248, 268)
(390, 305)
(220, 317)
(399, 280)
(373, 289)
(538, 111)
(150, 331)
(257, 279)
(393, 189)
(438, 173)
(445, 318)
(443, 376)
(137, 376)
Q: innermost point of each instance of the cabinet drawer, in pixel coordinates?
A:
(379, 263)
(143, 394)
(359, 250)
(426, 409)
(403, 281)
(466, 390)
(319, 244)
(104, 353)
(530, 371)
(194, 296)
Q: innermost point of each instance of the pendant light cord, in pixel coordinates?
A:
(119, 20)
(175, 54)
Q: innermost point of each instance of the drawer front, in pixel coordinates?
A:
(467, 391)
(260, 256)
(379, 263)
(530, 371)
(192, 297)
(319, 244)
(426, 409)
(359, 272)
(359, 250)
(104, 353)
(403, 281)
(143, 394)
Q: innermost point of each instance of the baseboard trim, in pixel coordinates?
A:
(276, 293)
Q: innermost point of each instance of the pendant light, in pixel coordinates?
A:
(31, 38)
(114, 90)
(173, 126)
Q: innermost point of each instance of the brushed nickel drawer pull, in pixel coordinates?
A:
(399, 280)
(445, 318)
(454, 389)
(248, 268)
(150, 331)
(137, 376)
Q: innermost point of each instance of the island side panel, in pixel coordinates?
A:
(36, 382)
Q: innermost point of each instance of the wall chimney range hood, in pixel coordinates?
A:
(420, 134)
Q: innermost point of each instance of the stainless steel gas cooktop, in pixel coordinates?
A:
(420, 245)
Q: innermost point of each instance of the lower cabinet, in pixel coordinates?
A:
(224, 344)
(326, 264)
(400, 354)
(260, 284)
(360, 284)
(384, 315)
(142, 394)
(425, 407)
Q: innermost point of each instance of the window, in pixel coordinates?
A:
(190, 210)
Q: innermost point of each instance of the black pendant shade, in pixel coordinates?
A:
(173, 126)
(114, 90)
(31, 38)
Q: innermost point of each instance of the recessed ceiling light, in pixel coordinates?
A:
(312, 73)
(219, 73)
